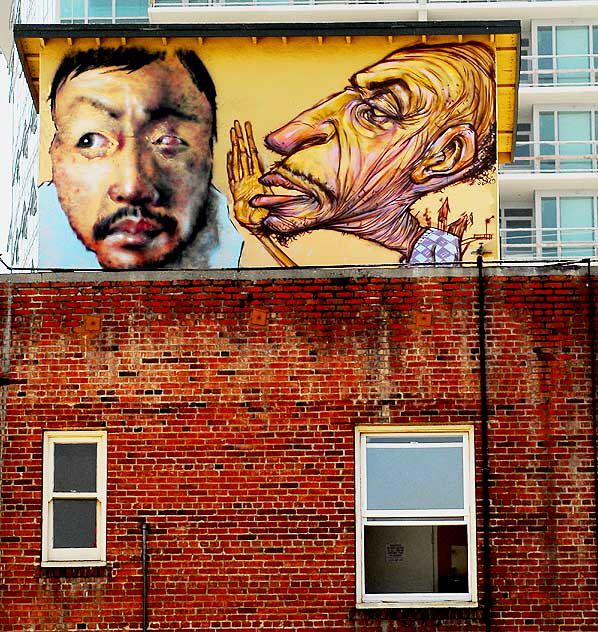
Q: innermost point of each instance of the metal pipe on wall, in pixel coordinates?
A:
(593, 394)
(484, 441)
(144, 530)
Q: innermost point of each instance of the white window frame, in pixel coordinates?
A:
(592, 70)
(401, 517)
(95, 556)
(561, 146)
(558, 243)
(86, 17)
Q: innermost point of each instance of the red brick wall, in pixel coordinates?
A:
(235, 440)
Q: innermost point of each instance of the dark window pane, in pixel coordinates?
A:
(74, 524)
(426, 559)
(75, 467)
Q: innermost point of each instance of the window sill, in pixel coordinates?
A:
(416, 604)
(73, 563)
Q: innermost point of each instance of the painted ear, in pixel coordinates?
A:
(445, 160)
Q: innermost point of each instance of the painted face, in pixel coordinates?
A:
(348, 160)
(132, 161)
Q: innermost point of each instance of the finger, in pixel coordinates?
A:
(234, 155)
(230, 169)
(245, 169)
(254, 158)
(242, 157)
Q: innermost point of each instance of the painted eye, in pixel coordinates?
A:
(377, 116)
(169, 141)
(93, 140)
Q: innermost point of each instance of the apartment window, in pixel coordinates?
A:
(566, 225)
(74, 499)
(517, 233)
(566, 54)
(415, 517)
(103, 11)
(568, 139)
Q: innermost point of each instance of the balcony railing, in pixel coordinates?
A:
(542, 243)
(249, 3)
(559, 70)
(555, 157)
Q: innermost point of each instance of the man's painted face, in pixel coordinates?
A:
(348, 160)
(132, 161)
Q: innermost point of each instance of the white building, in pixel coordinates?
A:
(548, 196)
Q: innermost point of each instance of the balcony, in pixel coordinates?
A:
(549, 156)
(193, 3)
(558, 70)
(302, 11)
(549, 243)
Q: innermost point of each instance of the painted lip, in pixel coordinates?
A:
(303, 197)
(134, 232)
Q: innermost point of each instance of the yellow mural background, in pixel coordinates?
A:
(268, 81)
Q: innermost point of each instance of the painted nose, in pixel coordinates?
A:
(308, 129)
(133, 182)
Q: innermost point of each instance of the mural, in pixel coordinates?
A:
(396, 165)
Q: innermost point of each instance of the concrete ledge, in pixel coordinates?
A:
(573, 268)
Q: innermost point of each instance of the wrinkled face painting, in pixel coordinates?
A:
(410, 124)
(132, 161)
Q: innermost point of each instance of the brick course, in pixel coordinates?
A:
(235, 441)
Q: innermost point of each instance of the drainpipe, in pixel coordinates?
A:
(485, 465)
(144, 530)
(593, 395)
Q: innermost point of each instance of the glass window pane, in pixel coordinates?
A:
(426, 559)
(131, 8)
(70, 9)
(415, 475)
(545, 52)
(75, 467)
(549, 219)
(100, 8)
(74, 523)
(573, 47)
(547, 126)
(545, 40)
(576, 212)
(574, 126)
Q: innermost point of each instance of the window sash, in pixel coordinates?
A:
(416, 518)
(75, 556)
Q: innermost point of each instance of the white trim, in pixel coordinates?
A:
(464, 516)
(95, 556)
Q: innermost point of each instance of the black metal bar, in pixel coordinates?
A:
(272, 29)
(485, 465)
(144, 530)
(593, 396)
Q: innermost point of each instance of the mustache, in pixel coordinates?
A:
(307, 178)
(103, 227)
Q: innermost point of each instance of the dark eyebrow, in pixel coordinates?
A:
(374, 85)
(165, 111)
(98, 105)
(157, 114)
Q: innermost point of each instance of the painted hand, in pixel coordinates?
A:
(244, 170)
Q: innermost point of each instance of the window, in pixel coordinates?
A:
(568, 139)
(103, 11)
(566, 225)
(566, 55)
(517, 234)
(74, 499)
(415, 517)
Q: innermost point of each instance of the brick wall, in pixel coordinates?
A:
(230, 407)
